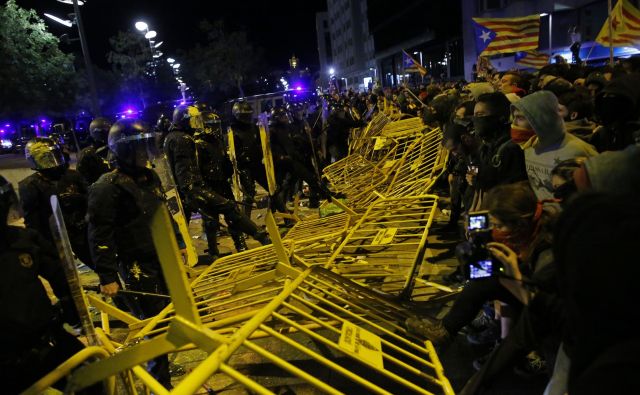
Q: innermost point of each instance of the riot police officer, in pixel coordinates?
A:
(121, 204)
(53, 177)
(248, 153)
(92, 160)
(338, 126)
(32, 339)
(291, 152)
(179, 147)
(217, 170)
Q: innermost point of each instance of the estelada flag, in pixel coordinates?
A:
(533, 59)
(506, 35)
(625, 26)
(410, 65)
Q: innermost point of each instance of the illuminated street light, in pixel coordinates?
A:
(142, 26)
(158, 44)
(171, 60)
(150, 34)
(332, 71)
(176, 66)
(544, 14)
(65, 22)
(70, 2)
(157, 54)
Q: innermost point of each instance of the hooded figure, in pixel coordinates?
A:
(551, 143)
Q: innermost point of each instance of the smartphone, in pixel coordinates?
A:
(478, 220)
(482, 269)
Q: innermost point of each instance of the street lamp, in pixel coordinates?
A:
(95, 107)
(65, 22)
(171, 60)
(150, 34)
(158, 44)
(70, 2)
(142, 26)
(176, 66)
(332, 71)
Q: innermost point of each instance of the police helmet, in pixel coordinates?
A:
(99, 130)
(132, 143)
(279, 116)
(44, 153)
(242, 112)
(188, 118)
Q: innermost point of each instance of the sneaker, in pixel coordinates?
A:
(434, 331)
(489, 335)
(531, 366)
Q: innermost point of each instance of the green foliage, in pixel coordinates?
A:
(35, 76)
(130, 61)
(224, 62)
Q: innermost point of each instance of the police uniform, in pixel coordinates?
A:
(32, 339)
(92, 163)
(180, 150)
(35, 193)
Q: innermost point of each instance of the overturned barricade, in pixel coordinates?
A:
(315, 327)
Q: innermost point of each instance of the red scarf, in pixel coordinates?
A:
(521, 135)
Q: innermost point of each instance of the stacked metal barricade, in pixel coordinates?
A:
(323, 306)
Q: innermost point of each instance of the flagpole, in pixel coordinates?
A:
(610, 34)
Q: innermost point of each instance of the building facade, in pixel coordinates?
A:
(325, 55)
(352, 48)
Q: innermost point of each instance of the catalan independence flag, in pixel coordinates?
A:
(506, 35)
(532, 59)
(411, 65)
(625, 26)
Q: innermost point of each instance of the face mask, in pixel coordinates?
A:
(521, 135)
(487, 126)
(564, 191)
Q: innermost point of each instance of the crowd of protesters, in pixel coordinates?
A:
(554, 157)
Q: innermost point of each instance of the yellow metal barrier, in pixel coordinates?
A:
(387, 246)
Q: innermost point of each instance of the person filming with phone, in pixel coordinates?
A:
(509, 242)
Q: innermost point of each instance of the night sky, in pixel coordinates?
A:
(281, 28)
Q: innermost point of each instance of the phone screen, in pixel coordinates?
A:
(477, 222)
(483, 269)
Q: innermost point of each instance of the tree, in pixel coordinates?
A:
(35, 76)
(130, 59)
(224, 63)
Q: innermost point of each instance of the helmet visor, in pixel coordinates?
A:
(139, 150)
(47, 157)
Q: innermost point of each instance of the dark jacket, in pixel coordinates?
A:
(120, 211)
(500, 162)
(92, 163)
(35, 192)
(26, 309)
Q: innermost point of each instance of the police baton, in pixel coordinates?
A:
(96, 288)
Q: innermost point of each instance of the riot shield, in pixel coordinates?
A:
(174, 204)
(61, 238)
(235, 178)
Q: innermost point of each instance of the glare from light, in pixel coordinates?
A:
(70, 2)
(157, 54)
(332, 71)
(543, 14)
(65, 22)
(150, 34)
(176, 66)
(142, 26)
(158, 44)
(171, 60)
